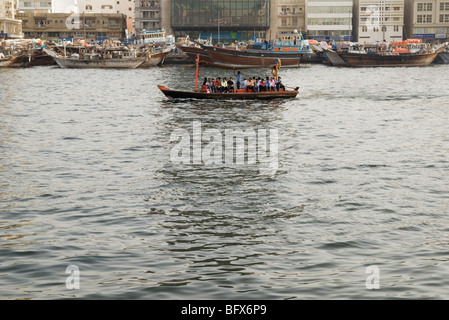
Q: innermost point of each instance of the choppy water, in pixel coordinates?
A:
(86, 179)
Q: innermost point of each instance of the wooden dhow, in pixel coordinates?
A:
(110, 58)
(237, 94)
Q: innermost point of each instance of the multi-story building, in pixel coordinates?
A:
(379, 20)
(89, 26)
(329, 19)
(223, 20)
(147, 15)
(34, 6)
(428, 20)
(10, 27)
(290, 16)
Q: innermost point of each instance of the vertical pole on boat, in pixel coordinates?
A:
(197, 71)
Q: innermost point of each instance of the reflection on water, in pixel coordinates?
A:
(87, 180)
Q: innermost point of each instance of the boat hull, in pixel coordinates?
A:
(376, 60)
(127, 63)
(154, 60)
(4, 62)
(193, 52)
(443, 58)
(264, 95)
(241, 59)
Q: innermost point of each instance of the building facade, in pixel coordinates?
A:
(379, 20)
(148, 15)
(10, 27)
(290, 16)
(221, 20)
(34, 6)
(329, 19)
(428, 20)
(89, 26)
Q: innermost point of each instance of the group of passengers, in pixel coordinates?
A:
(222, 85)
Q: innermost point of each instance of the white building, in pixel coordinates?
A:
(379, 20)
(10, 27)
(428, 19)
(329, 19)
(38, 6)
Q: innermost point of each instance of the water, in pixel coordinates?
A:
(86, 180)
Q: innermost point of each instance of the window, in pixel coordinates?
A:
(424, 18)
(444, 6)
(425, 6)
(364, 29)
(444, 17)
(396, 28)
(88, 8)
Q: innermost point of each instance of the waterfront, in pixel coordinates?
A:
(87, 180)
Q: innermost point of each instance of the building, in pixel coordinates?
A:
(428, 20)
(221, 20)
(290, 16)
(148, 15)
(89, 26)
(10, 27)
(34, 6)
(128, 8)
(329, 19)
(379, 20)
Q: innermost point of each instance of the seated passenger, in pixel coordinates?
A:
(230, 85)
(224, 86)
(217, 85)
(243, 85)
(267, 84)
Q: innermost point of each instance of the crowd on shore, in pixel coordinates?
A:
(254, 84)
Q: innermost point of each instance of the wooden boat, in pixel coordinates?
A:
(155, 59)
(4, 62)
(38, 57)
(15, 59)
(443, 57)
(288, 48)
(110, 58)
(193, 50)
(391, 55)
(239, 94)
(243, 59)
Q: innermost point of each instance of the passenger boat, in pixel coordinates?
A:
(239, 94)
(409, 53)
(118, 57)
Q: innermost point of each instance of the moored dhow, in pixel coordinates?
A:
(109, 58)
(408, 53)
(288, 48)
